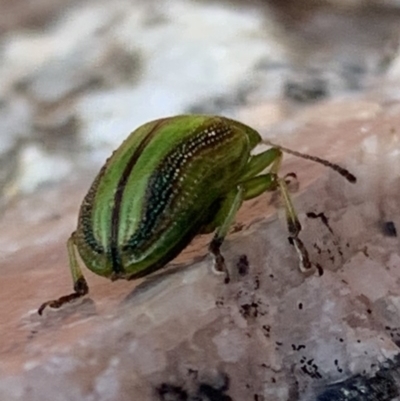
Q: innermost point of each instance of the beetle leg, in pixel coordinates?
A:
(80, 285)
(294, 227)
(292, 182)
(293, 223)
(260, 162)
(226, 215)
(255, 186)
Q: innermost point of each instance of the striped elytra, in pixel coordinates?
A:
(157, 191)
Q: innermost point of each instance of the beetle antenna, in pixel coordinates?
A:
(342, 171)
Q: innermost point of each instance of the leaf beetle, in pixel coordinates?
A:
(171, 179)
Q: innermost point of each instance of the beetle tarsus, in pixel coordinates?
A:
(81, 288)
(219, 260)
(292, 182)
(305, 263)
(294, 227)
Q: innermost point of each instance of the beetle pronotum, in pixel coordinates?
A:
(172, 179)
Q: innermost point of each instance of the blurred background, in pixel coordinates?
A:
(76, 77)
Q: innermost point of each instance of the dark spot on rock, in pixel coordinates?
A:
(249, 310)
(219, 302)
(266, 330)
(322, 217)
(243, 265)
(389, 229)
(200, 391)
(319, 269)
(310, 368)
(170, 392)
(208, 392)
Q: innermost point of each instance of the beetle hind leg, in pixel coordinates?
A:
(80, 285)
(80, 289)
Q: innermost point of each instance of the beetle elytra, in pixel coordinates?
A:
(172, 179)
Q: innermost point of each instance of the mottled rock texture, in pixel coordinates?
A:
(77, 77)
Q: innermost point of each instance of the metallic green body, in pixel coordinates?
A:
(162, 186)
(170, 180)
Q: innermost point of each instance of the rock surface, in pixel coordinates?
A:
(272, 334)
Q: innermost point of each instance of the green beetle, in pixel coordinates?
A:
(172, 179)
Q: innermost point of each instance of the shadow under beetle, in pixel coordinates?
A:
(172, 179)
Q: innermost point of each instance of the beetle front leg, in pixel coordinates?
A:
(255, 186)
(258, 163)
(293, 223)
(80, 285)
(223, 221)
